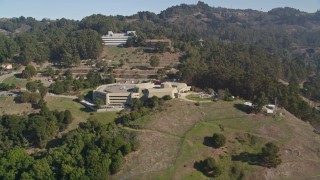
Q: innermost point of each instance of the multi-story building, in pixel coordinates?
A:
(116, 39)
(122, 94)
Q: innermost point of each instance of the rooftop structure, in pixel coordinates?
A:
(121, 94)
(6, 66)
(116, 39)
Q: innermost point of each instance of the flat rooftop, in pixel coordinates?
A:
(117, 88)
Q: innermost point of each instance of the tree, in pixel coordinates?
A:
(57, 87)
(48, 71)
(154, 61)
(8, 48)
(99, 103)
(218, 140)
(130, 41)
(13, 163)
(117, 163)
(211, 168)
(259, 102)
(43, 90)
(42, 103)
(41, 170)
(77, 84)
(34, 98)
(270, 155)
(161, 47)
(29, 72)
(67, 117)
(32, 86)
(25, 96)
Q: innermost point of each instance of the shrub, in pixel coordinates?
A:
(166, 97)
(210, 167)
(126, 149)
(218, 140)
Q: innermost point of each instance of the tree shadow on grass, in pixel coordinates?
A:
(250, 158)
(199, 167)
(85, 109)
(207, 141)
(18, 75)
(243, 108)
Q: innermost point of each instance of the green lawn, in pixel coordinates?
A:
(79, 112)
(105, 117)
(195, 97)
(16, 81)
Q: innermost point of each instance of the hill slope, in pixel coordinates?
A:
(174, 139)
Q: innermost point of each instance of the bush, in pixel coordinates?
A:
(210, 167)
(29, 72)
(135, 145)
(117, 163)
(166, 97)
(218, 140)
(126, 149)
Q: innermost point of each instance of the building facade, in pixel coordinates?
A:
(122, 94)
(116, 39)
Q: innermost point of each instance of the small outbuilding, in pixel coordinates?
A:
(7, 66)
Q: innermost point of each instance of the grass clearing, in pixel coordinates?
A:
(136, 56)
(9, 106)
(16, 81)
(79, 112)
(195, 97)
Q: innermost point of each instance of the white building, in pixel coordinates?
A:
(116, 39)
(120, 94)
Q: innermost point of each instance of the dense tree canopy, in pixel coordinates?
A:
(93, 151)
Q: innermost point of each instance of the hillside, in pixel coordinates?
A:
(173, 140)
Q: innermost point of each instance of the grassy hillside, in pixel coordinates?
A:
(79, 112)
(136, 56)
(8, 106)
(172, 141)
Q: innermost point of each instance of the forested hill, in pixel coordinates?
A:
(292, 35)
(281, 30)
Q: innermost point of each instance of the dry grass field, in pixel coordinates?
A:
(137, 57)
(174, 139)
(8, 106)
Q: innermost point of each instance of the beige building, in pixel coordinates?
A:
(120, 94)
(7, 66)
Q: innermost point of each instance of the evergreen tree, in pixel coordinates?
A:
(270, 155)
